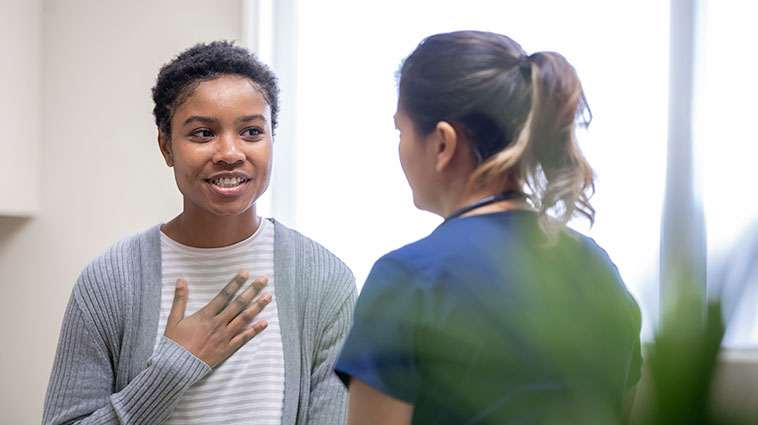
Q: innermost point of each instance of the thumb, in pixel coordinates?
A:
(180, 303)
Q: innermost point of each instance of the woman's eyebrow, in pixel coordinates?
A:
(207, 120)
(210, 120)
(248, 118)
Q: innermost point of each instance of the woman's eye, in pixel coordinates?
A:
(202, 133)
(252, 132)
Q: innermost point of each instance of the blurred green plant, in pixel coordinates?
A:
(682, 363)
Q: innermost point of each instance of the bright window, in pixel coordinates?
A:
(727, 143)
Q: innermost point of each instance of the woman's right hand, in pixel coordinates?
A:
(221, 327)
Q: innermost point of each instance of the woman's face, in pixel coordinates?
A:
(416, 162)
(220, 147)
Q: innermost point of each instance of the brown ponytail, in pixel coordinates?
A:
(545, 156)
(518, 113)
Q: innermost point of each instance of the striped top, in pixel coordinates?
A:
(248, 387)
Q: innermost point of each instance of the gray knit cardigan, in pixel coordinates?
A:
(106, 372)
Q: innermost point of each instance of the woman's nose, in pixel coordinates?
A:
(228, 150)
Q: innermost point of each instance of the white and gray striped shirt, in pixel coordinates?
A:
(248, 387)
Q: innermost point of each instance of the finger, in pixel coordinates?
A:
(219, 301)
(246, 317)
(243, 300)
(243, 337)
(179, 305)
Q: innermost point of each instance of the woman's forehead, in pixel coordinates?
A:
(226, 94)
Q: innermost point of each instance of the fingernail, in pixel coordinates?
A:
(266, 297)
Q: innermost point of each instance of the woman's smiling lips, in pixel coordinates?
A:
(228, 184)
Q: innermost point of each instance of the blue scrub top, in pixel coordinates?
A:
(483, 322)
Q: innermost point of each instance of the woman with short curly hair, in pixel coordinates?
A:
(155, 330)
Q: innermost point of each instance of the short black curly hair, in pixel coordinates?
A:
(204, 62)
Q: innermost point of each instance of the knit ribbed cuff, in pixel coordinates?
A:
(172, 358)
(170, 372)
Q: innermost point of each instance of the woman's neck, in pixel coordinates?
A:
(203, 231)
(467, 199)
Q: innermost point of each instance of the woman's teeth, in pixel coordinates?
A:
(227, 181)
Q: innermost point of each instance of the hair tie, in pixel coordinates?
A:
(525, 65)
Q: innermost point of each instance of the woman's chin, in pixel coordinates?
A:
(235, 212)
(226, 211)
(425, 206)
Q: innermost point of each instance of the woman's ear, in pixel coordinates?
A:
(444, 141)
(164, 144)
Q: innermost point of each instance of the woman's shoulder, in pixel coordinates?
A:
(292, 249)
(126, 250)
(288, 239)
(120, 263)
(584, 249)
(411, 267)
(597, 266)
(424, 259)
(107, 286)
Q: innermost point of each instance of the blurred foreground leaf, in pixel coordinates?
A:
(683, 362)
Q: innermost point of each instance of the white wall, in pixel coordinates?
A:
(100, 172)
(20, 96)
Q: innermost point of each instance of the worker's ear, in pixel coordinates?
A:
(443, 141)
(164, 144)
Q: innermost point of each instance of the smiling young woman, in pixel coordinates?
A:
(220, 148)
(153, 332)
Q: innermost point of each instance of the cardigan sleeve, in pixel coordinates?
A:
(328, 397)
(82, 382)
